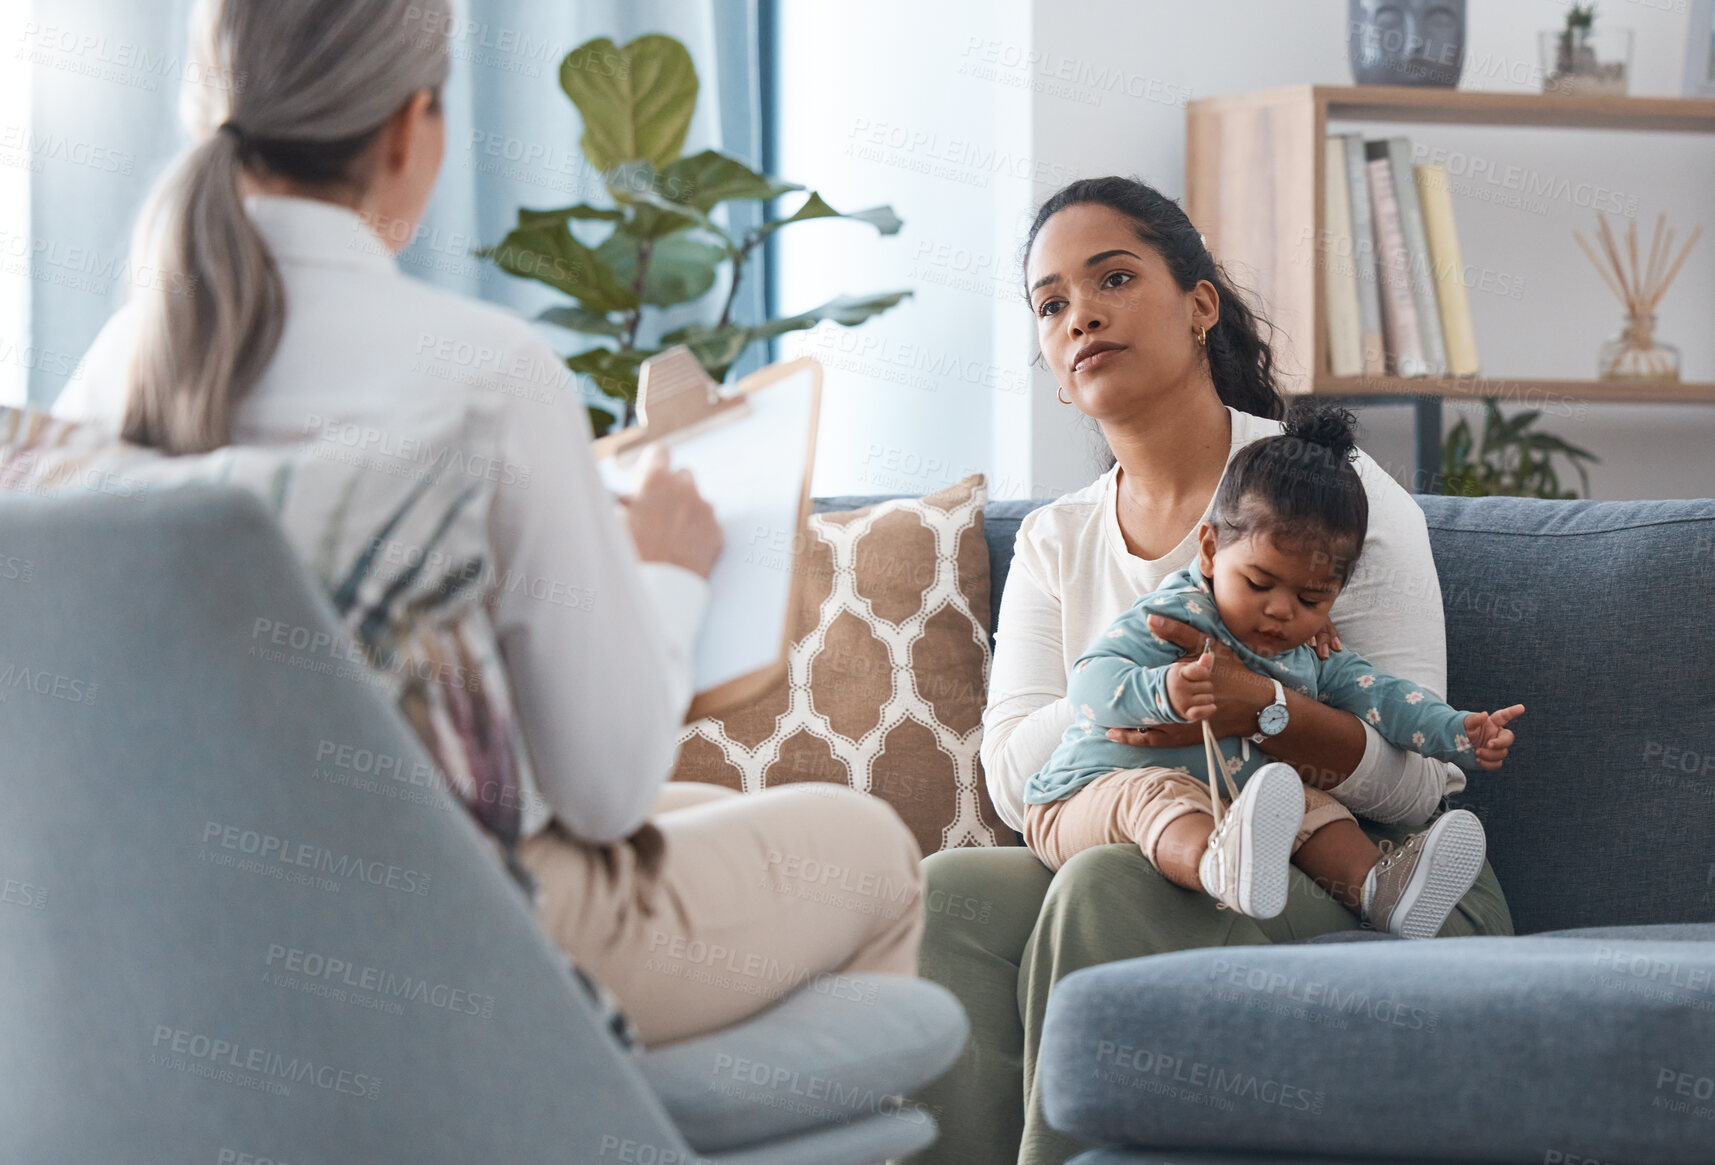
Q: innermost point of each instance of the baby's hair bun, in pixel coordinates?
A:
(1318, 422)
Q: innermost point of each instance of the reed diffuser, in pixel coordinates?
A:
(1635, 354)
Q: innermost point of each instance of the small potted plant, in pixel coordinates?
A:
(1579, 59)
(1509, 459)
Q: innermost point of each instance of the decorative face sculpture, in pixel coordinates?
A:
(1406, 42)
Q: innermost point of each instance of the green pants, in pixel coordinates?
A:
(1003, 930)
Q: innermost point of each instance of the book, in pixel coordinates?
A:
(1448, 267)
(1339, 276)
(1417, 255)
(1393, 268)
(1364, 258)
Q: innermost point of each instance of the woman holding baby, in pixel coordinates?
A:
(1145, 335)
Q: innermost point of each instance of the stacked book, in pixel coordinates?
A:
(1393, 279)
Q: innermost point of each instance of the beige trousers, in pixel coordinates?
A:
(1137, 805)
(724, 903)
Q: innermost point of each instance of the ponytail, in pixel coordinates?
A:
(209, 321)
(294, 89)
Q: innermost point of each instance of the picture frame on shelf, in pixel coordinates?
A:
(1700, 50)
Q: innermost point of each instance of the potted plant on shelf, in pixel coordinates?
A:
(663, 245)
(1510, 460)
(1576, 60)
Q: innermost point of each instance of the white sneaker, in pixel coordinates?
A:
(1250, 853)
(1413, 889)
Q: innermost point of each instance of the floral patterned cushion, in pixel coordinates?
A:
(401, 547)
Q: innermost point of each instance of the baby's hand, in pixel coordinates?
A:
(1191, 687)
(1490, 735)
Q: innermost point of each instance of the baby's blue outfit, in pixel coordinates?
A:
(1121, 682)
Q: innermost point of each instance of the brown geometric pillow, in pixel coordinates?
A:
(887, 674)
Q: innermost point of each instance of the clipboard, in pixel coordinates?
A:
(752, 450)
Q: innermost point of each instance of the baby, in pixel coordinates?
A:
(1289, 520)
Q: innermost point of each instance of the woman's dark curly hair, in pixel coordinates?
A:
(1240, 361)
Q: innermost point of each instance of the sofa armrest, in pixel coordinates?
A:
(1490, 1049)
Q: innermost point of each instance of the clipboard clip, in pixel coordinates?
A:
(674, 397)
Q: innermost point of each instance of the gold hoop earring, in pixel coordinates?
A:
(1202, 337)
(1061, 393)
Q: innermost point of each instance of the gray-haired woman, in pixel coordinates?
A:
(280, 319)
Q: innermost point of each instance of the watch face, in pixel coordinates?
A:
(1272, 720)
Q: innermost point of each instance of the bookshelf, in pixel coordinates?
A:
(1253, 186)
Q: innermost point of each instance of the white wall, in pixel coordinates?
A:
(1028, 96)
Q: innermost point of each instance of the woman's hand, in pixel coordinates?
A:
(1239, 693)
(670, 521)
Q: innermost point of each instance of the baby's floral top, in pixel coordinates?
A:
(1121, 682)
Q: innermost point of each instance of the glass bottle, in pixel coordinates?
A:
(1635, 354)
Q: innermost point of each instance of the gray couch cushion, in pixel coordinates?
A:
(1478, 1049)
(1600, 618)
(1697, 932)
(836, 1053)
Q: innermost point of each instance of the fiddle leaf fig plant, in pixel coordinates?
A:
(663, 246)
(1509, 460)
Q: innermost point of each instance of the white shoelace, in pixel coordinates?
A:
(1216, 761)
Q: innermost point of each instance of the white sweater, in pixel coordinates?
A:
(1072, 575)
(600, 695)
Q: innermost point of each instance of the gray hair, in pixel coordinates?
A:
(298, 88)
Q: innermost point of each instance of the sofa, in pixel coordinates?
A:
(242, 922)
(1588, 1039)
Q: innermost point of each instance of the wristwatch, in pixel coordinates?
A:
(1272, 720)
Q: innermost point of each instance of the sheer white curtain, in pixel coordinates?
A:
(100, 119)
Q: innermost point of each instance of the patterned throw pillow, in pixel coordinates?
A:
(399, 543)
(887, 674)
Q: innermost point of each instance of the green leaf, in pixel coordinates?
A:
(577, 319)
(1456, 453)
(612, 371)
(546, 252)
(636, 100)
(1519, 423)
(846, 310)
(601, 421)
(705, 179)
(583, 211)
(679, 269)
(716, 348)
(653, 214)
(881, 218)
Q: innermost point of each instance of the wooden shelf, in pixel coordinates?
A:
(1475, 107)
(1531, 393)
(1253, 187)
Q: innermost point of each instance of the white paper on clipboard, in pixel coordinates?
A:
(752, 471)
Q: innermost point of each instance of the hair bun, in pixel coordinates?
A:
(1318, 422)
